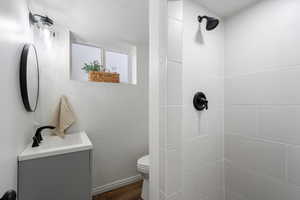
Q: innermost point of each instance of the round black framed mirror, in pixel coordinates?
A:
(29, 77)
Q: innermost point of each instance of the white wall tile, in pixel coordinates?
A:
(245, 185)
(162, 171)
(175, 9)
(253, 186)
(293, 165)
(162, 196)
(256, 45)
(215, 120)
(241, 90)
(195, 81)
(234, 196)
(262, 157)
(241, 120)
(203, 50)
(279, 123)
(274, 85)
(207, 122)
(269, 87)
(174, 83)
(174, 40)
(173, 171)
(292, 192)
(204, 183)
(195, 123)
(176, 196)
(162, 126)
(163, 82)
(174, 120)
(203, 149)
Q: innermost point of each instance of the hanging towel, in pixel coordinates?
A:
(63, 117)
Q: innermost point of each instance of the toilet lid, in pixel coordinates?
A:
(143, 163)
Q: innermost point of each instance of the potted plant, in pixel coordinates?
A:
(98, 73)
(93, 67)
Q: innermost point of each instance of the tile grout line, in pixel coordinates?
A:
(286, 164)
(268, 69)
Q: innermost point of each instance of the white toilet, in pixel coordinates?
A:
(143, 165)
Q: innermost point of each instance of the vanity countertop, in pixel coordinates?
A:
(55, 145)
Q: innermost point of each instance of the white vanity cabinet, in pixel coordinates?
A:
(57, 170)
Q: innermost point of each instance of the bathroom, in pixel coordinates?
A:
(207, 95)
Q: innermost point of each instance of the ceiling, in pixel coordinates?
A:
(123, 20)
(225, 8)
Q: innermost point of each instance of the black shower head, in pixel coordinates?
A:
(211, 23)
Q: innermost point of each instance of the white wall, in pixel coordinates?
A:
(16, 123)
(115, 116)
(262, 102)
(203, 67)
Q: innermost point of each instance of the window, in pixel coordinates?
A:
(90, 63)
(81, 55)
(118, 62)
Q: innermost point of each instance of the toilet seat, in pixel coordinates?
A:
(143, 164)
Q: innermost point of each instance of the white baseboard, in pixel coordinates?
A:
(116, 184)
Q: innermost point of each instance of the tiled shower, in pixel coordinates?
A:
(246, 145)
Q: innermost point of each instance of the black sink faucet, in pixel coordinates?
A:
(38, 136)
(9, 195)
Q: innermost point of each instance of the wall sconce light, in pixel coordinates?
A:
(41, 22)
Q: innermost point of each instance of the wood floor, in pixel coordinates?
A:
(130, 192)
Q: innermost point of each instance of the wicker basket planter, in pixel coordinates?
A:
(107, 77)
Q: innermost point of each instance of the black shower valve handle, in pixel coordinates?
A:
(205, 102)
(200, 102)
